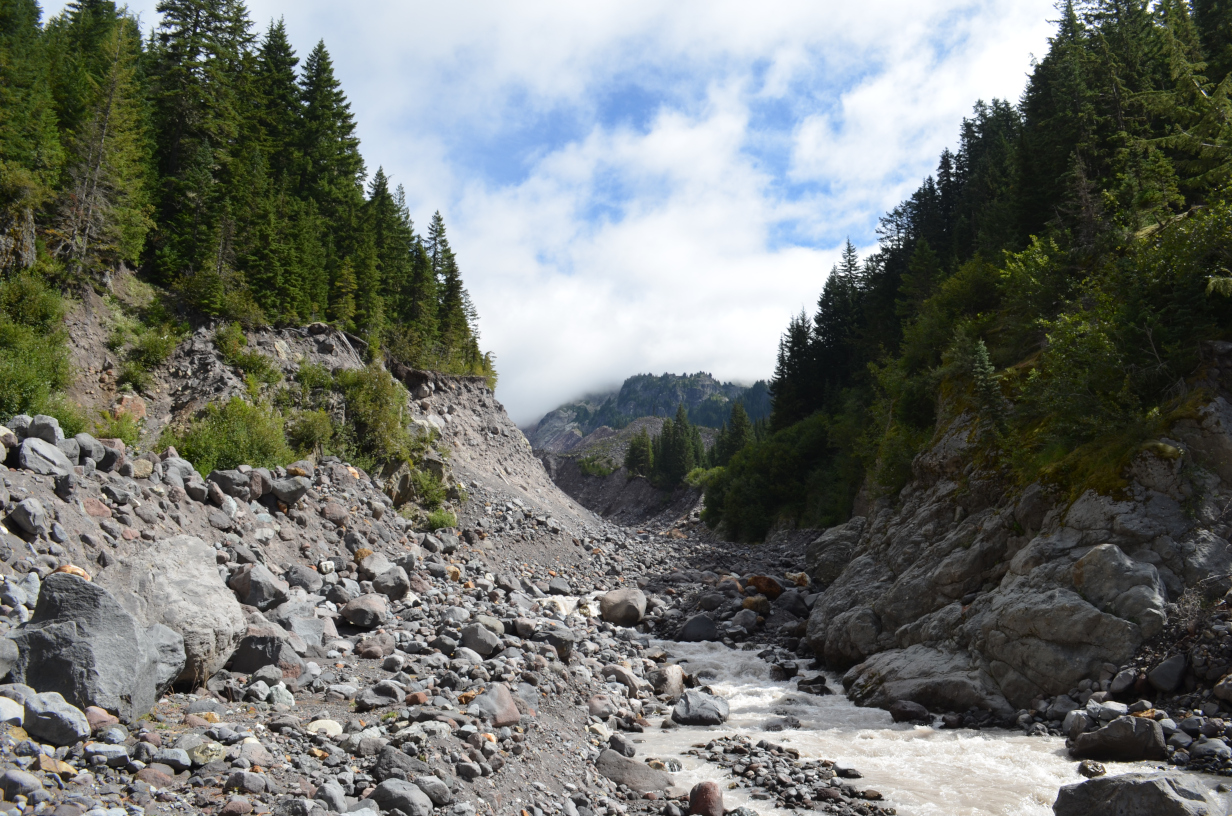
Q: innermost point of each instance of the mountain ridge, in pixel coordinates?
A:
(707, 400)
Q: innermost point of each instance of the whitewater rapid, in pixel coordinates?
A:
(921, 771)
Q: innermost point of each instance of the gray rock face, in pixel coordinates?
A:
(48, 717)
(176, 583)
(629, 772)
(623, 607)
(1034, 595)
(43, 458)
(827, 556)
(1167, 676)
(1125, 739)
(1137, 794)
(232, 483)
(698, 708)
(82, 644)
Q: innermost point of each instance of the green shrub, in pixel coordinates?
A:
(429, 491)
(312, 375)
(377, 418)
(232, 344)
(700, 477)
(596, 465)
(122, 427)
(33, 357)
(440, 519)
(232, 434)
(310, 431)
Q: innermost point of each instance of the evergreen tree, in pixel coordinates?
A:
(280, 110)
(333, 168)
(104, 210)
(639, 459)
(30, 148)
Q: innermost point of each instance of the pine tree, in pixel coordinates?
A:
(198, 55)
(333, 168)
(30, 148)
(791, 386)
(639, 459)
(280, 105)
(105, 210)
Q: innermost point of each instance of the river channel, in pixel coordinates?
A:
(921, 771)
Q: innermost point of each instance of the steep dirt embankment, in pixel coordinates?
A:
(968, 593)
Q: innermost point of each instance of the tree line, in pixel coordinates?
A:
(1055, 278)
(670, 456)
(210, 159)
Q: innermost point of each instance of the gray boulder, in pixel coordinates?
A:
(698, 708)
(232, 482)
(290, 490)
(46, 428)
(30, 516)
(16, 783)
(435, 789)
(667, 681)
(49, 718)
(43, 458)
(255, 585)
(1125, 739)
(623, 607)
(305, 577)
(481, 639)
(635, 775)
(698, 628)
(398, 794)
(560, 638)
(89, 448)
(935, 678)
(1137, 794)
(496, 705)
(393, 583)
(82, 644)
(176, 583)
(1167, 676)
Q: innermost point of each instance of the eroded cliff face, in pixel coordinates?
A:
(966, 593)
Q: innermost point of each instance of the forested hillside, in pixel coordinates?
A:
(1057, 277)
(209, 158)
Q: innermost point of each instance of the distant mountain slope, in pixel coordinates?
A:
(707, 400)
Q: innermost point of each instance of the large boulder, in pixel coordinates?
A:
(698, 708)
(255, 585)
(635, 775)
(50, 718)
(176, 583)
(934, 678)
(81, 643)
(623, 607)
(1137, 794)
(698, 628)
(43, 458)
(496, 705)
(667, 681)
(1125, 739)
(398, 794)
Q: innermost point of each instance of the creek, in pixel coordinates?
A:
(920, 771)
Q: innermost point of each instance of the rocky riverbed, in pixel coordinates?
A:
(285, 641)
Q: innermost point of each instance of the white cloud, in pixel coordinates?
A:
(599, 242)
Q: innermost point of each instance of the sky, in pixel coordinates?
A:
(648, 187)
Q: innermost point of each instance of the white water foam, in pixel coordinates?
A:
(920, 771)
